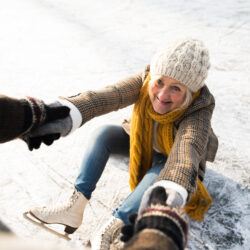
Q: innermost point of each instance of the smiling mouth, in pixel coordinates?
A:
(164, 103)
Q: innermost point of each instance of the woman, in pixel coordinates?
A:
(170, 139)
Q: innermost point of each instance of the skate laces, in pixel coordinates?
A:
(110, 232)
(61, 208)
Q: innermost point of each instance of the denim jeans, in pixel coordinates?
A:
(105, 141)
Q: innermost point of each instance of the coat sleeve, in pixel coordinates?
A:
(95, 103)
(15, 117)
(190, 145)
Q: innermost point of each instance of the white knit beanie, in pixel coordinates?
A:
(186, 61)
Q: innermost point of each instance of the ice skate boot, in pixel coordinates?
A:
(69, 214)
(108, 237)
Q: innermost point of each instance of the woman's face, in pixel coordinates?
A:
(166, 94)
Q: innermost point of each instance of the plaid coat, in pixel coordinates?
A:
(194, 140)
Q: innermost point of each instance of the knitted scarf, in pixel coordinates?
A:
(141, 147)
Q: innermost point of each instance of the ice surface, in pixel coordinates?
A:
(60, 47)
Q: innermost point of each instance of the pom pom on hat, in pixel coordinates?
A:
(186, 61)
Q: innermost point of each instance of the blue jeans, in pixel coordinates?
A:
(105, 141)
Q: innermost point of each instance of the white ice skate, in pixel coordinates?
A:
(69, 214)
(108, 237)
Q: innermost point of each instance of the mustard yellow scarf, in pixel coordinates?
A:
(141, 147)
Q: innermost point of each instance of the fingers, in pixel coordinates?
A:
(54, 113)
(49, 139)
(127, 231)
(132, 218)
(35, 142)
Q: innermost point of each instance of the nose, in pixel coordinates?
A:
(163, 95)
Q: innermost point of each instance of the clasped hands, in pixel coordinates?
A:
(57, 122)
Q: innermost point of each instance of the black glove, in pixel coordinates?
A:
(51, 113)
(127, 231)
(35, 142)
(54, 113)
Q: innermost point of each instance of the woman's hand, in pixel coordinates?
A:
(163, 219)
(62, 118)
(57, 121)
(176, 195)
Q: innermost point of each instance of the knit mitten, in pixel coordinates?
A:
(172, 221)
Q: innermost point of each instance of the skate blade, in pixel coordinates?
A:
(35, 221)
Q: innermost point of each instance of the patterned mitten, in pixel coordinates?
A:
(172, 221)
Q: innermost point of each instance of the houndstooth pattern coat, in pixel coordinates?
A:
(194, 140)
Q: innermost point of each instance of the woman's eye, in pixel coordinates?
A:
(159, 82)
(175, 88)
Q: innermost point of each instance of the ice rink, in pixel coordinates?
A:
(51, 48)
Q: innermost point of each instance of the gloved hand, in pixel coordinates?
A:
(41, 113)
(127, 231)
(176, 195)
(60, 125)
(157, 196)
(172, 221)
(35, 142)
(52, 130)
(57, 122)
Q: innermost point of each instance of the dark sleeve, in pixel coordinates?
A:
(15, 117)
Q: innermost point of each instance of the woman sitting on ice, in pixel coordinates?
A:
(168, 141)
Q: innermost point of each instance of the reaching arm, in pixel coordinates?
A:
(19, 116)
(88, 105)
(120, 95)
(190, 145)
